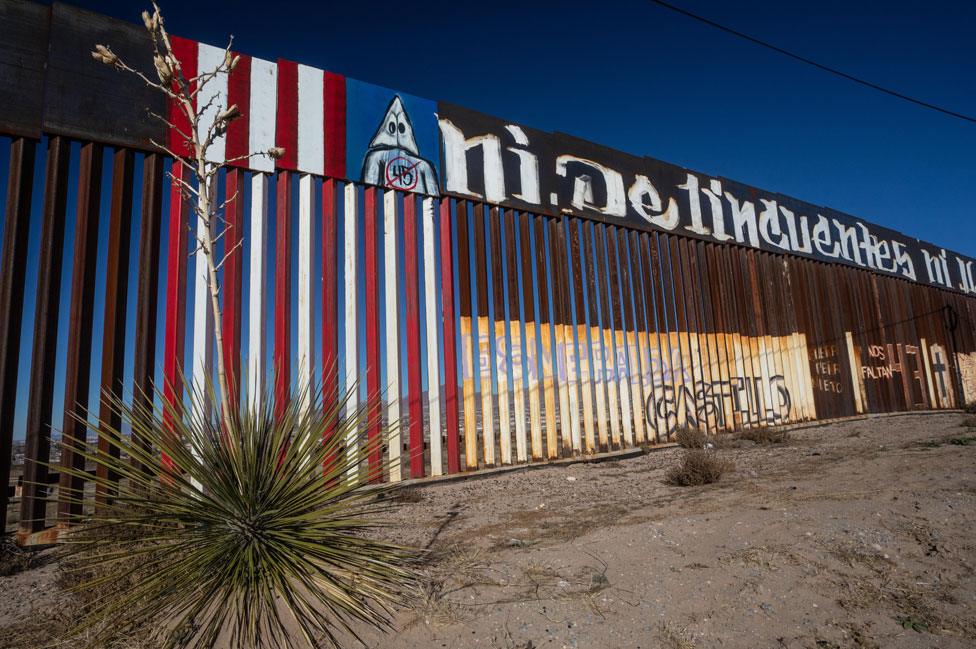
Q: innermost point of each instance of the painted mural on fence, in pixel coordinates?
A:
(436, 148)
(507, 164)
(621, 387)
(914, 375)
(391, 139)
(329, 124)
(644, 384)
(395, 140)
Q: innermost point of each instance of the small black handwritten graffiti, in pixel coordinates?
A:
(401, 173)
(671, 405)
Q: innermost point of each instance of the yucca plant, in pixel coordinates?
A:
(244, 525)
(257, 535)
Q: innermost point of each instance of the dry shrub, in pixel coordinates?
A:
(50, 625)
(408, 495)
(688, 437)
(697, 467)
(13, 558)
(675, 637)
(765, 436)
(971, 408)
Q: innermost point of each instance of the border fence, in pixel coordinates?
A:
(516, 296)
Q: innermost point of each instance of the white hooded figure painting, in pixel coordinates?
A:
(393, 159)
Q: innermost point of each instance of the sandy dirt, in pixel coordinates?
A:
(859, 534)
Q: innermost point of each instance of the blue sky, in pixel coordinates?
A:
(634, 76)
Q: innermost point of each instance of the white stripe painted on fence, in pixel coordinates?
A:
(306, 349)
(311, 120)
(623, 380)
(432, 325)
(390, 274)
(586, 376)
(501, 372)
(637, 384)
(350, 324)
(516, 329)
(202, 358)
(256, 298)
(562, 379)
(214, 93)
(535, 407)
(262, 112)
(613, 398)
(599, 380)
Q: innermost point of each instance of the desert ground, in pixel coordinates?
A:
(854, 534)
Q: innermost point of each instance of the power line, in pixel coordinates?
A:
(803, 59)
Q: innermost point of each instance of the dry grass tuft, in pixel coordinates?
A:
(51, 627)
(765, 436)
(697, 467)
(14, 559)
(673, 636)
(409, 495)
(688, 437)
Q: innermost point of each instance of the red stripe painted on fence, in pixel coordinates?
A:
(282, 315)
(335, 125)
(450, 354)
(175, 300)
(372, 337)
(231, 313)
(186, 52)
(330, 366)
(329, 292)
(238, 131)
(413, 338)
(286, 125)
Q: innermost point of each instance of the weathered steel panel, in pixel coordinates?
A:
(466, 330)
(569, 412)
(16, 231)
(147, 305)
(500, 336)
(113, 326)
(544, 332)
(23, 63)
(43, 357)
(532, 366)
(78, 365)
(587, 383)
(517, 334)
(86, 99)
(485, 331)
